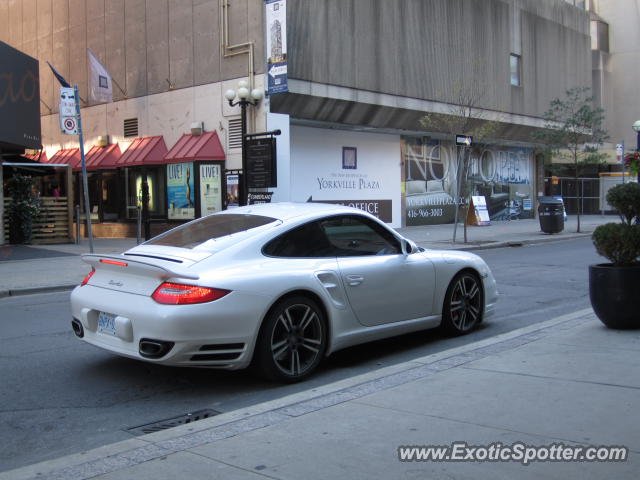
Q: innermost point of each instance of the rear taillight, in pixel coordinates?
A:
(86, 279)
(180, 294)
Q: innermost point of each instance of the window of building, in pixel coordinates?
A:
(515, 64)
(599, 36)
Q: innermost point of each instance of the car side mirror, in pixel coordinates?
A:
(407, 249)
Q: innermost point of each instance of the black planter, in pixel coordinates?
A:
(614, 295)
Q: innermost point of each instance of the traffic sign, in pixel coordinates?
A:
(465, 140)
(67, 109)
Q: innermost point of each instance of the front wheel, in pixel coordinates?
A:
(292, 340)
(463, 304)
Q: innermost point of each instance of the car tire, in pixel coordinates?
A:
(292, 340)
(463, 304)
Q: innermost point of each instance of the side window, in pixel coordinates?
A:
(305, 241)
(354, 236)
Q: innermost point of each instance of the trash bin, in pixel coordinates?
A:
(551, 214)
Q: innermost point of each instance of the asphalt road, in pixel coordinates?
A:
(61, 396)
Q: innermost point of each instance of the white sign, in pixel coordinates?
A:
(619, 151)
(67, 109)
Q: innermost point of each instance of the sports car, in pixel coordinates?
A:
(276, 286)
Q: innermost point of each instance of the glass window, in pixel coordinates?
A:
(194, 233)
(306, 241)
(515, 63)
(355, 236)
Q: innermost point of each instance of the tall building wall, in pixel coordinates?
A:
(426, 49)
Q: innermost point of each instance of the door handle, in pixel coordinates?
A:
(354, 280)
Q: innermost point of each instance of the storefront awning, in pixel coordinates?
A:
(36, 157)
(196, 147)
(103, 158)
(70, 156)
(144, 151)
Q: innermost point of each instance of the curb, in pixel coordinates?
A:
(16, 292)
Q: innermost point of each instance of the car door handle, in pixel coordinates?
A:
(354, 280)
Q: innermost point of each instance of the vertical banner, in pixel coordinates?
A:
(276, 32)
(180, 192)
(210, 189)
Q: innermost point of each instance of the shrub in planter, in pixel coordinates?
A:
(24, 208)
(612, 286)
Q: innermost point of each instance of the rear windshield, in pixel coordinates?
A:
(199, 231)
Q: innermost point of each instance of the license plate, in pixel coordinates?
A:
(107, 323)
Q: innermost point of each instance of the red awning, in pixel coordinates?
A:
(36, 157)
(70, 156)
(196, 147)
(144, 151)
(103, 158)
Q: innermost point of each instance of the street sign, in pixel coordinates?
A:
(67, 109)
(464, 140)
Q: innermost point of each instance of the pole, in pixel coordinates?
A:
(638, 150)
(139, 232)
(85, 183)
(457, 202)
(78, 224)
(243, 178)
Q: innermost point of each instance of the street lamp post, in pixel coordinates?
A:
(243, 97)
(636, 128)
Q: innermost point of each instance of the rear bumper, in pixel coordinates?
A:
(218, 334)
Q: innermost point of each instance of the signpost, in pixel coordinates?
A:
(71, 124)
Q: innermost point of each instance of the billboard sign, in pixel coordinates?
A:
(19, 100)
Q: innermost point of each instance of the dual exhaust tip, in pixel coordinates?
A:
(148, 348)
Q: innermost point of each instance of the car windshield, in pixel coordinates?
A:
(208, 228)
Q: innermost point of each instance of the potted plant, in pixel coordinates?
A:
(24, 208)
(613, 286)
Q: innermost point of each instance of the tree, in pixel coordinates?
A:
(463, 117)
(573, 130)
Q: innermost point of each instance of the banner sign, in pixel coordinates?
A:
(180, 191)
(261, 162)
(210, 189)
(233, 190)
(67, 109)
(276, 32)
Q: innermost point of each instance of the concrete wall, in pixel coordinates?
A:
(147, 45)
(433, 49)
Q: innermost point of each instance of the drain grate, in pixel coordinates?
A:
(172, 422)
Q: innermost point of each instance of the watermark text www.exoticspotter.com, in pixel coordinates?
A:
(515, 452)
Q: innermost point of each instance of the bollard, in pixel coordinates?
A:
(77, 224)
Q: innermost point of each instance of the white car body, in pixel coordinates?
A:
(364, 298)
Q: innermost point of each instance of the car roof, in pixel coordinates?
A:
(289, 210)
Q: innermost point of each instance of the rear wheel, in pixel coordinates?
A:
(463, 304)
(292, 340)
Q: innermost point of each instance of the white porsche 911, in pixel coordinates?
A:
(277, 286)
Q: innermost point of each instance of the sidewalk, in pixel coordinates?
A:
(566, 381)
(41, 268)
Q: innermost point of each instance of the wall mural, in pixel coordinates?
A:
(500, 174)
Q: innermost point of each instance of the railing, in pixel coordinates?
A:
(584, 191)
(52, 225)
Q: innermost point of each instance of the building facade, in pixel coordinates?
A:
(376, 92)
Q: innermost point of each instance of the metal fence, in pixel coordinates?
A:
(585, 191)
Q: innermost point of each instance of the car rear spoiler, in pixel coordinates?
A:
(138, 266)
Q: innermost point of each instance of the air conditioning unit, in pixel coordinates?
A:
(197, 128)
(103, 141)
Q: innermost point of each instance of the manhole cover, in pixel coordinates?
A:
(172, 422)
